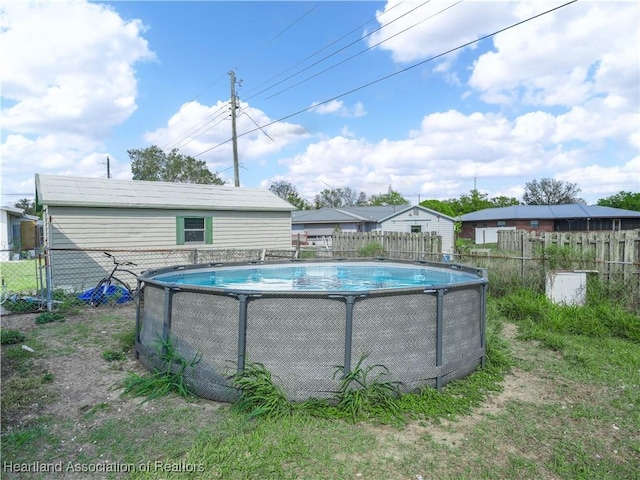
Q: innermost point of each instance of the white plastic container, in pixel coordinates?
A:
(569, 288)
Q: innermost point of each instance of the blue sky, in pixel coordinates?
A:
(557, 96)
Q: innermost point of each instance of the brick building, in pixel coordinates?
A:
(550, 218)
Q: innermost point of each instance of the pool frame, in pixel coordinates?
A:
(305, 338)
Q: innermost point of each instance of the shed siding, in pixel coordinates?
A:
(77, 227)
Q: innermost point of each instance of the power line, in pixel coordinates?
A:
(251, 54)
(193, 131)
(365, 50)
(386, 77)
(195, 128)
(190, 131)
(190, 134)
(254, 122)
(335, 52)
(356, 29)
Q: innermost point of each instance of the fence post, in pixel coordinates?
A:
(48, 278)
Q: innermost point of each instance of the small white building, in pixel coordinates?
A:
(313, 224)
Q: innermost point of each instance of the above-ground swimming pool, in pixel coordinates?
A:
(425, 322)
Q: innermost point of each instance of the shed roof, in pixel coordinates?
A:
(548, 212)
(367, 214)
(57, 190)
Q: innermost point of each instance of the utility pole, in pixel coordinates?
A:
(108, 168)
(234, 137)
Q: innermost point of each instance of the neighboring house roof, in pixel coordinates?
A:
(548, 212)
(18, 212)
(370, 214)
(56, 190)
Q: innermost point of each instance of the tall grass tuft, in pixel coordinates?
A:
(259, 394)
(509, 275)
(365, 394)
(372, 249)
(541, 318)
(167, 379)
(564, 257)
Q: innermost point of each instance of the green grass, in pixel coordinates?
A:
(11, 337)
(20, 276)
(574, 414)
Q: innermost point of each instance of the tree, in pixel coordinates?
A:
(154, 164)
(288, 192)
(441, 206)
(352, 199)
(471, 203)
(551, 192)
(29, 206)
(624, 200)
(503, 201)
(328, 198)
(338, 197)
(390, 198)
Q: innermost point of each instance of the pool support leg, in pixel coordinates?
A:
(483, 322)
(439, 323)
(166, 323)
(348, 334)
(138, 318)
(242, 331)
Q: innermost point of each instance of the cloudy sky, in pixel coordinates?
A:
(365, 95)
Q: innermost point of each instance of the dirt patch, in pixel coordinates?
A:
(519, 385)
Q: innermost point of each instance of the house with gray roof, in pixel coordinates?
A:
(550, 218)
(313, 225)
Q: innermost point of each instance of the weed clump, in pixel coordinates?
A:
(49, 317)
(259, 394)
(365, 394)
(169, 378)
(11, 337)
(373, 249)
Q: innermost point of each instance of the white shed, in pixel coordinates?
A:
(417, 219)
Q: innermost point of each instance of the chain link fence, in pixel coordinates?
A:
(53, 277)
(39, 280)
(22, 280)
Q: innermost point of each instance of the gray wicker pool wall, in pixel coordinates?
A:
(424, 337)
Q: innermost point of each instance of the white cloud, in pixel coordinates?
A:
(205, 132)
(564, 58)
(67, 78)
(452, 150)
(431, 28)
(337, 107)
(68, 66)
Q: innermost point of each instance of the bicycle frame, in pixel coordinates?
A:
(101, 290)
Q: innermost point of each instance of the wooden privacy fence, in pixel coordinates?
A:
(608, 251)
(400, 245)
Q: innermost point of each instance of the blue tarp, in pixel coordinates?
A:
(114, 293)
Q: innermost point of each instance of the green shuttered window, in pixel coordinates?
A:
(196, 230)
